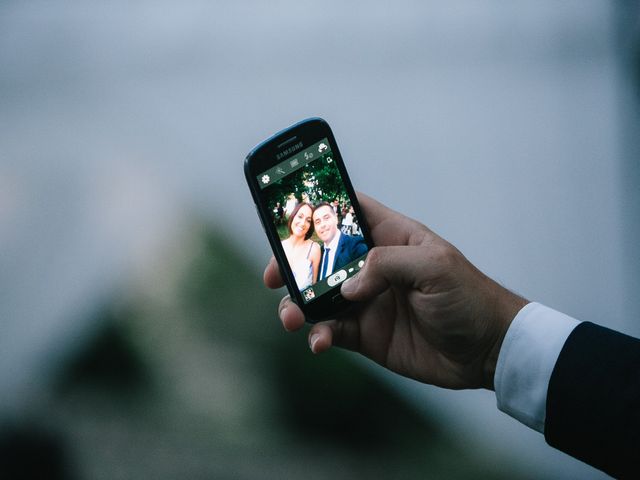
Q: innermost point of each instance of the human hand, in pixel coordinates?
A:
(423, 310)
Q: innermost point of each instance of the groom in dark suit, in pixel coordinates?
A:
(338, 249)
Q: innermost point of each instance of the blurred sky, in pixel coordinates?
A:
(504, 126)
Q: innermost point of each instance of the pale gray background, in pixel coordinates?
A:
(507, 127)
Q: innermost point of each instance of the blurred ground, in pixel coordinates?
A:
(186, 377)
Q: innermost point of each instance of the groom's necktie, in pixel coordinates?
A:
(325, 263)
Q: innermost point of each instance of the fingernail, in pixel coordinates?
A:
(312, 341)
(281, 315)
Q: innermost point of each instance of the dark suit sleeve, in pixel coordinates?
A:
(593, 400)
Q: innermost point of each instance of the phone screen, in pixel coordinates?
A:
(314, 217)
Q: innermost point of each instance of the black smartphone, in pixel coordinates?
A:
(310, 213)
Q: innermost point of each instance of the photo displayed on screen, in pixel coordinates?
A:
(315, 220)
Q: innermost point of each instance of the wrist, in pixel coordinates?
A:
(506, 306)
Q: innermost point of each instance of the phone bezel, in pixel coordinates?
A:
(262, 158)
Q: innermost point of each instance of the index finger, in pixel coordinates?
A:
(272, 277)
(389, 227)
(374, 211)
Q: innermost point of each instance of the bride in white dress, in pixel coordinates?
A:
(303, 253)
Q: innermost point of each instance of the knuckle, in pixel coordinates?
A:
(447, 255)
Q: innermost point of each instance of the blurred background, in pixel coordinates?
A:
(136, 338)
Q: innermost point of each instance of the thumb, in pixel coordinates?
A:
(385, 267)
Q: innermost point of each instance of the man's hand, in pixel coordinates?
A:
(424, 311)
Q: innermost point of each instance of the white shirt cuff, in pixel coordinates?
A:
(528, 354)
